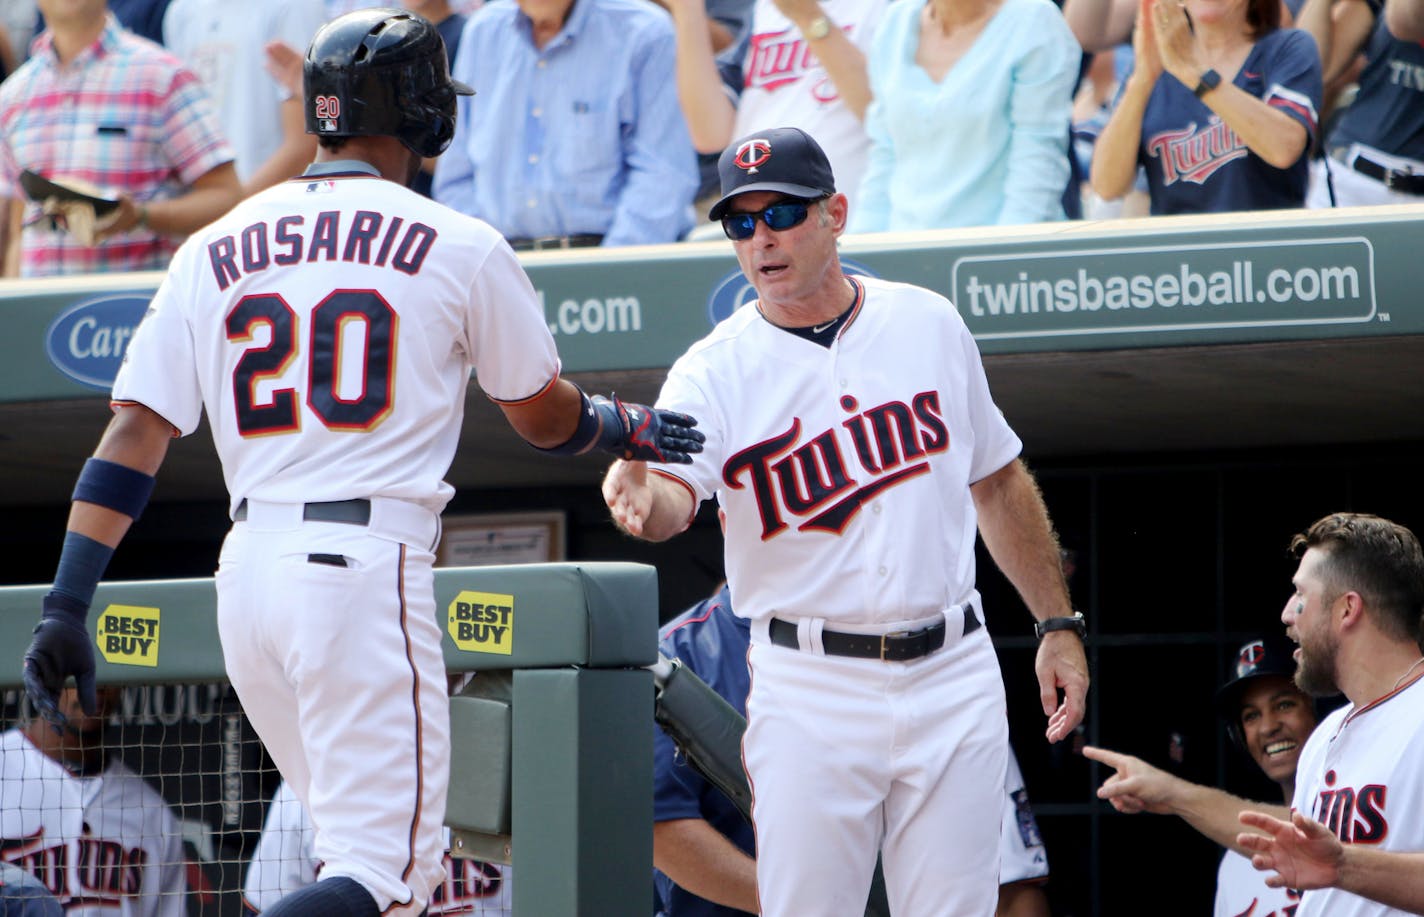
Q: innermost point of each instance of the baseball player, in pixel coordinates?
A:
(285, 860)
(696, 827)
(1269, 718)
(1306, 855)
(100, 839)
(1355, 614)
(328, 326)
(853, 444)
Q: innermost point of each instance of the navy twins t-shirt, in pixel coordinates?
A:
(1196, 164)
(1388, 111)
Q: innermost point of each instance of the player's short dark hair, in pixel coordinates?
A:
(1263, 17)
(1379, 559)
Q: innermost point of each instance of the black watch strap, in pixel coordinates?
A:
(1209, 81)
(1074, 622)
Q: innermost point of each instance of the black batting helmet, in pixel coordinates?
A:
(1266, 656)
(381, 72)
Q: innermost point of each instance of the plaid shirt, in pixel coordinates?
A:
(124, 115)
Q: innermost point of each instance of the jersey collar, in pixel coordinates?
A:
(340, 167)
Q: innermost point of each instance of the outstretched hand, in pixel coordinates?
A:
(60, 648)
(1135, 785)
(1062, 665)
(629, 498)
(638, 433)
(1302, 851)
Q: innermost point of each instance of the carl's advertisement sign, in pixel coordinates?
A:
(87, 341)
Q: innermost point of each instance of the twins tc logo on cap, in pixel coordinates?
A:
(1251, 656)
(753, 153)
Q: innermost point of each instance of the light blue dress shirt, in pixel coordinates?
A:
(584, 135)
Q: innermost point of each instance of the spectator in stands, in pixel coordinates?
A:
(450, 24)
(1405, 19)
(970, 120)
(1220, 109)
(68, 807)
(285, 860)
(223, 43)
(9, 60)
(1101, 25)
(802, 65)
(17, 25)
(1375, 147)
(142, 130)
(704, 848)
(141, 17)
(575, 138)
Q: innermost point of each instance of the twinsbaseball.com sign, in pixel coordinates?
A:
(1167, 288)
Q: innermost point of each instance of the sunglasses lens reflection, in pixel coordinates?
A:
(784, 215)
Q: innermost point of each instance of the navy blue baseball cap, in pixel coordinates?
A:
(1266, 656)
(785, 159)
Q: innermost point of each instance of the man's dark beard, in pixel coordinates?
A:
(1316, 676)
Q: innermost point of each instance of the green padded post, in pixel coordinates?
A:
(583, 805)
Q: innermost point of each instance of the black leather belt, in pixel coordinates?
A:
(544, 243)
(355, 512)
(897, 647)
(1406, 180)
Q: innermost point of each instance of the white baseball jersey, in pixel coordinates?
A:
(844, 471)
(786, 86)
(102, 845)
(1241, 891)
(332, 322)
(1021, 853)
(285, 860)
(1359, 776)
(223, 43)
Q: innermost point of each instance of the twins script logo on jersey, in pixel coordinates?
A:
(810, 478)
(1355, 816)
(777, 59)
(1287, 911)
(1194, 154)
(103, 872)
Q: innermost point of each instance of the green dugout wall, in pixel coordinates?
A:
(551, 765)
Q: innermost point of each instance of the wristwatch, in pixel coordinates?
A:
(819, 28)
(1074, 622)
(1209, 81)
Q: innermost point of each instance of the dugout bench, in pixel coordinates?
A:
(551, 745)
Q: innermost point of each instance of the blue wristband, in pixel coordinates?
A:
(585, 435)
(81, 565)
(113, 486)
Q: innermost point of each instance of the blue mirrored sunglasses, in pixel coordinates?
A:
(782, 215)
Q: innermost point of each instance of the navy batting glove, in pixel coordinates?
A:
(639, 433)
(60, 648)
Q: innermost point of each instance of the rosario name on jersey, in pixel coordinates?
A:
(1359, 776)
(104, 844)
(865, 448)
(294, 312)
